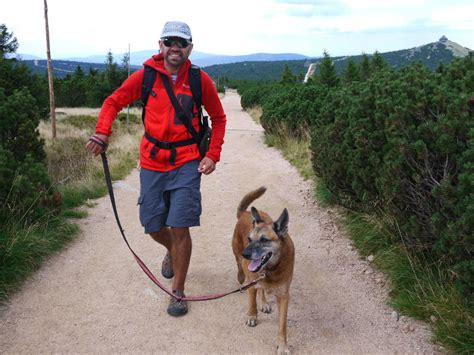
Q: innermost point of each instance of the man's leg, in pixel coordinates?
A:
(179, 244)
(181, 248)
(163, 236)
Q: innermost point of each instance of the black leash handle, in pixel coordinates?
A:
(143, 266)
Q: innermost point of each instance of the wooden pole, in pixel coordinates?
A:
(128, 74)
(52, 105)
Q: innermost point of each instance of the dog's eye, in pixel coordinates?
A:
(264, 240)
(250, 240)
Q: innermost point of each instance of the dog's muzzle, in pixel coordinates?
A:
(256, 263)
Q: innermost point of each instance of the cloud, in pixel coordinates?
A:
(309, 8)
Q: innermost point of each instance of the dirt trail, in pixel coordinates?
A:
(93, 298)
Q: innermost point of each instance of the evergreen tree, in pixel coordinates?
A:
(327, 71)
(113, 77)
(351, 72)
(23, 178)
(71, 90)
(125, 63)
(365, 70)
(287, 77)
(441, 68)
(377, 63)
(8, 43)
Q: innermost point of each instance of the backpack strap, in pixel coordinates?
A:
(149, 77)
(185, 118)
(195, 84)
(196, 89)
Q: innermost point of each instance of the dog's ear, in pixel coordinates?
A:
(256, 217)
(280, 226)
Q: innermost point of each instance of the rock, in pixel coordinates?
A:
(433, 319)
(395, 315)
(370, 258)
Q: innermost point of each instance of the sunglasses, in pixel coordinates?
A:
(179, 42)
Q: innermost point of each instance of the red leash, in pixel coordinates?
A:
(145, 269)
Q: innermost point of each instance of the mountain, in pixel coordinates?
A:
(65, 66)
(431, 54)
(61, 68)
(22, 56)
(199, 58)
(206, 61)
(262, 66)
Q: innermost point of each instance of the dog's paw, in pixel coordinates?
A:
(283, 350)
(266, 308)
(251, 321)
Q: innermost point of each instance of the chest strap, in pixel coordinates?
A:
(167, 145)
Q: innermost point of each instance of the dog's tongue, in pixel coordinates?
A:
(254, 265)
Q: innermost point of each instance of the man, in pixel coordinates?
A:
(170, 198)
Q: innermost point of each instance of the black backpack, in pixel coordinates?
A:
(203, 138)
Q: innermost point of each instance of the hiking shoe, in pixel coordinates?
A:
(176, 307)
(167, 266)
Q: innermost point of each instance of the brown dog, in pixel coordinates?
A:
(261, 245)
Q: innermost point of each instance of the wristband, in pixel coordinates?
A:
(99, 142)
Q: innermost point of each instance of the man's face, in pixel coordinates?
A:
(175, 50)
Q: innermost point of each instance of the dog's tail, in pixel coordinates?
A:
(249, 198)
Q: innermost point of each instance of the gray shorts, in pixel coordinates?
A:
(170, 198)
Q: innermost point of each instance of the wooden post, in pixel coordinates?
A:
(128, 74)
(52, 105)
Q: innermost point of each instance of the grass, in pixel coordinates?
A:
(78, 177)
(420, 286)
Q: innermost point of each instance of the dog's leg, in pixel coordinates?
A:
(264, 306)
(240, 271)
(252, 312)
(282, 302)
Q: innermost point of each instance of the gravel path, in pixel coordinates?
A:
(93, 298)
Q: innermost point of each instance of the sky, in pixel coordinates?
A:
(238, 27)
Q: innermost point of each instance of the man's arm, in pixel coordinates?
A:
(213, 106)
(127, 93)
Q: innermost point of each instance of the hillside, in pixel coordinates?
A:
(61, 68)
(432, 54)
(199, 58)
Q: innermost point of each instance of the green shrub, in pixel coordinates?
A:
(26, 187)
(402, 143)
(295, 107)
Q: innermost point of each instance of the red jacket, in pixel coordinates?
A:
(160, 120)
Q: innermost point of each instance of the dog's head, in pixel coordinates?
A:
(265, 241)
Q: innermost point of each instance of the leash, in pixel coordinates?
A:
(145, 269)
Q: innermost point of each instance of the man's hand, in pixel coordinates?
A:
(206, 166)
(97, 144)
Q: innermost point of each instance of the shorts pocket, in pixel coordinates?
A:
(151, 205)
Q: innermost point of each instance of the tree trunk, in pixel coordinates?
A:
(52, 105)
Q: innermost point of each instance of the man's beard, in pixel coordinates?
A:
(175, 59)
